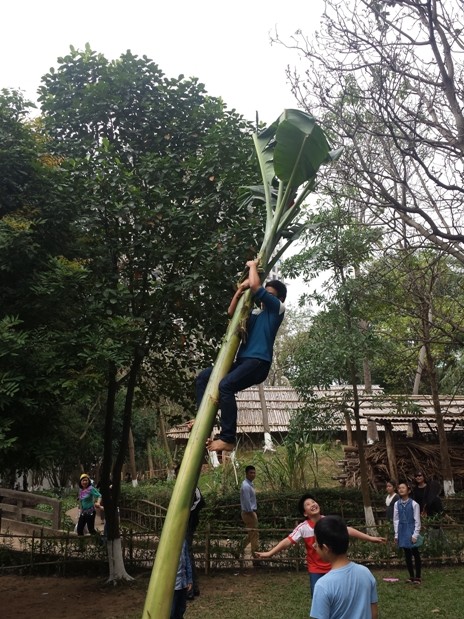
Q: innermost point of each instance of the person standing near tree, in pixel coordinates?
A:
(182, 585)
(89, 500)
(390, 499)
(407, 525)
(197, 505)
(249, 507)
(426, 494)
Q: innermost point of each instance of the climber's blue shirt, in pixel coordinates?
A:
(262, 327)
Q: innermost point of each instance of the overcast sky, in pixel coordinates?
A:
(227, 46)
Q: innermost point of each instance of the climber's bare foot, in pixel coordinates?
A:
(190, 424)
(219, 445)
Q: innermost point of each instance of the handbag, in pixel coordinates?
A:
(419, 541)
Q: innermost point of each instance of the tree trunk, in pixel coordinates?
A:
(447, 471)
(268, 446)
(368, 513)
(111, 473)
(349, 429)
(117, 570)
(133, 466)
(363, 325)
(391, 455)
(420, 367)
(372, 432)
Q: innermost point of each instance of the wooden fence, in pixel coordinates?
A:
(213, 550)
(143, 514)
(17, 506)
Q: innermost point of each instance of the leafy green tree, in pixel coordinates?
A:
(38, 334)
(338, 342)
(424, 291)
(155, 166)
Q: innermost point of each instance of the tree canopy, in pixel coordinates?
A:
(122, 201)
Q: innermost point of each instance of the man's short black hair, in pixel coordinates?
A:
(250, 467)
(333, 532)
(302, 500)
(279, 287)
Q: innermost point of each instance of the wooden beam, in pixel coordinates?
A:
(391, 455)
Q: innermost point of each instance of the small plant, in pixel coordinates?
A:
(288, 467)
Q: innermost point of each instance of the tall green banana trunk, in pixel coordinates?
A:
(290, 152)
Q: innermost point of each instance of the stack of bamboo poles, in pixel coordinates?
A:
(411, 456)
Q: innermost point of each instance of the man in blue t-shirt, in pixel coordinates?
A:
(254, 356)
(349, 590)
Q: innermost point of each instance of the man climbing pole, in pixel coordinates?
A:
(254, 357)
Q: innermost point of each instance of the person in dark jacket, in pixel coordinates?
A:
(198, 503)
(427, 495)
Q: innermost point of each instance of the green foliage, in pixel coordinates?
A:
(223, 480)
(123, 163)
(290, 152)
(288, 467)
(337, 245)
(153, 160)
(37, 360)
(419, 299)
(296, 464)
(315, 422)
(17, 151)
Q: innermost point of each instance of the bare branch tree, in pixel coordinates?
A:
(386, 78)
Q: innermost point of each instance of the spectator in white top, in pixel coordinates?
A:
(249, 508)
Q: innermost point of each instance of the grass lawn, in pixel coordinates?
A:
(262, 594)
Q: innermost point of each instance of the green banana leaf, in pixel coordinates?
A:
(290, 152)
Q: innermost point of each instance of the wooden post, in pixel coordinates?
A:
(349, 429)
(268, 446)
(391, 455)
(56, 517)
(372, 433)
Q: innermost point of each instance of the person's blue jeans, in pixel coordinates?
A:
(313, 578)
(243, 374)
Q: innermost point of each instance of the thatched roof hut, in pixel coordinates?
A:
(408, 415)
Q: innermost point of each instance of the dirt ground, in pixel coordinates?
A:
(57, 597)
(69, 598)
